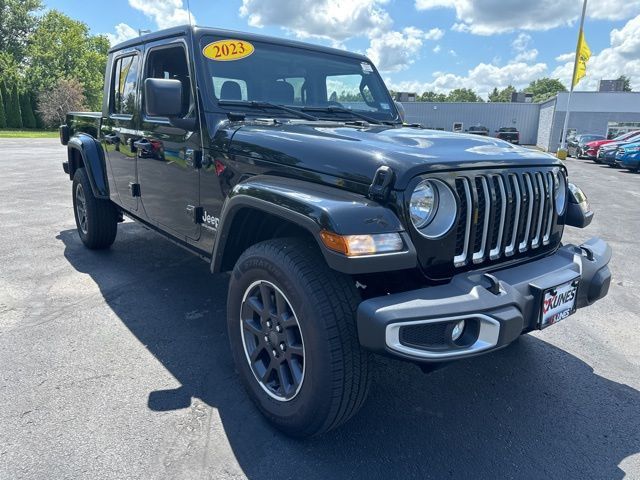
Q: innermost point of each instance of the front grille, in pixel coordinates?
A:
(502, 215)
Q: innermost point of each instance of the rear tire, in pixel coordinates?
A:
(96, 219)
(283, 294)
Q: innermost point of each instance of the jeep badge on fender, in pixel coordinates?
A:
(347, 233)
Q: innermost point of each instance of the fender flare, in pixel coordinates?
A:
(314, 208)
(93, 159)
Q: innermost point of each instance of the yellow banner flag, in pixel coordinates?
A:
(584, 54)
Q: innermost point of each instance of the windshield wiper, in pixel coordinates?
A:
(264, 106)
(333, 109)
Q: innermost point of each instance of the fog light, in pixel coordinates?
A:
(457, 331)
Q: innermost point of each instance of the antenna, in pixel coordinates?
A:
(189, 11)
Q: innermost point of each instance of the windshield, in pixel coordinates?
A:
(627, 135)
(508, 129)
(590, 138)
(298, 78)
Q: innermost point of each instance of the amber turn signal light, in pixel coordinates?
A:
(356, 245)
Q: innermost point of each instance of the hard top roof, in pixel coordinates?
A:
(200, 31)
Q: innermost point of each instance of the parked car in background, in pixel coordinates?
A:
(479, 130)
(628, 156)
(509, 134)
(576, 145)
(607, 154)
(592, 148)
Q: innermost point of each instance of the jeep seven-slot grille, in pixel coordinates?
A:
(501, 215)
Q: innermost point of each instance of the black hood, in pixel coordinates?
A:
(355, 153)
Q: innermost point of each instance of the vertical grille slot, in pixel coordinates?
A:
(464, 222)
(528, 213)
(550, 209)
(515, 219)
(500, 218)
(540, 205)
(482, 226)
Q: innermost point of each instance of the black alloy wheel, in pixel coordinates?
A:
(272, 340)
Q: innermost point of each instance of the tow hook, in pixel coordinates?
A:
(494, 283)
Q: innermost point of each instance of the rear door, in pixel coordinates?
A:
(168, 169)
(119, 127)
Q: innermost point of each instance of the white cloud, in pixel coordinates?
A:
(489, 17)
(526, 56)
(123, 32)
(333, 20)
(622, 57)
(482, 78)
(521, 46)
(566, 57)
(165, 13)
(434, 34)
(437, 49)
(521, 42)
(394, 51)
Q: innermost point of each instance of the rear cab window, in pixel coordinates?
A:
(124, 85)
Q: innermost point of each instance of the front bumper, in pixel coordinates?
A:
(500, 312)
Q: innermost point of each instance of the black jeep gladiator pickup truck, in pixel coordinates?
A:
(346, 232)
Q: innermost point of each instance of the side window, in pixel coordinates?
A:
(345, 89)
(125, 78)
(171, 63)
(229, 88)
(299, 89)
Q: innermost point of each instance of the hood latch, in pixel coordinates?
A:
(382, 184)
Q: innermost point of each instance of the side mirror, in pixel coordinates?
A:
(163, 97)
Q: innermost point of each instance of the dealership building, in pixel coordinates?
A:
(602, 113)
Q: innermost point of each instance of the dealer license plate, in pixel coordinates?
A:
(558, 303)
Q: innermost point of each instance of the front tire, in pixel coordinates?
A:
(96, 219)
(292, 330)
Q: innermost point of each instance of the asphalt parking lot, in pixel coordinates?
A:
(116, 365)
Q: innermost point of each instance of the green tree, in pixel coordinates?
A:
(61, 47)
(34, 109)
(14, 117)
(503, 95)
(3, 118)
(28, 119)
(545, 88)
(463, 95)
(5, 99)
(627, 83)
(433, 97)
(17, 21)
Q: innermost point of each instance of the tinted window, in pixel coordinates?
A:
(171, 63)
(125, 79)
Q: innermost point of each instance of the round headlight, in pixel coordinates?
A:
(560, 192)
(423, 204)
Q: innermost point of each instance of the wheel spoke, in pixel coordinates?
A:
(250, 327)
(256, 352)
(254, 304)
(287, 320)
(265, 293)
(282, 308)
(295, 351)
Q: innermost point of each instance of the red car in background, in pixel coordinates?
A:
(592, 148)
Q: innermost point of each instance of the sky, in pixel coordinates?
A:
(418, 45)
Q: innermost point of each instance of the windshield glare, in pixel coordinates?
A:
(299, 78)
